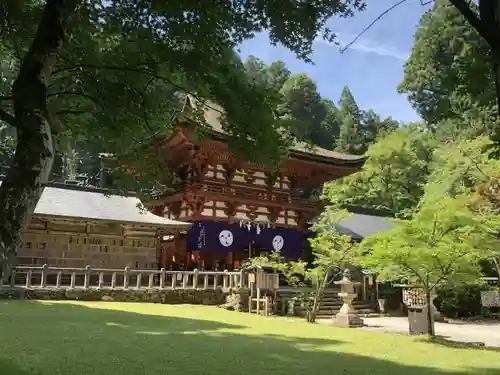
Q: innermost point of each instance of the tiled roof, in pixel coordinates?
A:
(358, 226)
(213, 111)
(77, 203)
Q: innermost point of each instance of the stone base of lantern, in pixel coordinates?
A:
(347, 320)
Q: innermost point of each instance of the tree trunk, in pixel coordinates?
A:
(430, 319)
(488, 26)
(32, 164)
(318, 297)
(489, 12)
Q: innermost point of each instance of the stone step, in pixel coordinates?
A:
(322, 314)
(338, 303)
(361, 315)
(332, 292)
(329, 311)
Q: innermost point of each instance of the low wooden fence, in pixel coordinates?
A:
(102, 278)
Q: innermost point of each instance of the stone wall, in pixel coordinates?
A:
(167, 296)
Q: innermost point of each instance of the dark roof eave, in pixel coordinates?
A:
(93, 220)
(332, 161)
(355, 163)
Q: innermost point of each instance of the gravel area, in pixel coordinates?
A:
(477, 332)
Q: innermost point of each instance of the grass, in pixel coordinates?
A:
(99, 338)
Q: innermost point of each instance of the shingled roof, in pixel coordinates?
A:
(213, 112)
(83, 203)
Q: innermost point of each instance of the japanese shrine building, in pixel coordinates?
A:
(239, 208)
(77, 227)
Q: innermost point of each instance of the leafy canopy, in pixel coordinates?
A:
(448, 74)
(332, 252)
(440, 244)
(393, 177)
(460, 168)
(115, 80)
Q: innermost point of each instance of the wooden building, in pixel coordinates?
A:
(76, 227)
(219, 188)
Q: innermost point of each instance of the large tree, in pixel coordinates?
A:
(350, 138)
(465, 167)
(441, 244)
(373, 126)
(106, 69)
(483, 17)
(448, 74)
(278, 74)
(393, 177)
(302, 104)
(330, 126)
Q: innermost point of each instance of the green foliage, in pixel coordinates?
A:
(302, 103)
(374, 127)
(359, 129)
(393, 177)
(314, 119)
(407, 183)
(467, 168)
(115, 81)
(448, 74)
(332, 253)
(7, 146)
(440, 245)
(273, 76)
(350, 137)
(460, 302)
(293, 271)
(330, 126)
(458, 168)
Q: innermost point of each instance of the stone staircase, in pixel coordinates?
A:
(330, 305)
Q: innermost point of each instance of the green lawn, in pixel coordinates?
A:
(99, 338)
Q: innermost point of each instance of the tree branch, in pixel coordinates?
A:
(348, 45)
(76, 93)
(7, 118)
(137, 69)
(74, 112)
(446, 270)
(413, 270)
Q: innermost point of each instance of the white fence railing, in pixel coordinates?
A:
(103, 278)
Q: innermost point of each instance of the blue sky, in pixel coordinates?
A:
(372, 67)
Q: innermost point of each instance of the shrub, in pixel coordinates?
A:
(460, 302)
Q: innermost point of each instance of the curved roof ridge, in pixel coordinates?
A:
(213, 111)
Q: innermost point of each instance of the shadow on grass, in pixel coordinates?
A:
(49, 339)
(9, 367)
(447, 342)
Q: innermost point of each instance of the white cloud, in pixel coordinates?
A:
(368, 46)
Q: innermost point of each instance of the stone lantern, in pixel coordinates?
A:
(347, 316)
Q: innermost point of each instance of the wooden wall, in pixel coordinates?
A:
(65, 243)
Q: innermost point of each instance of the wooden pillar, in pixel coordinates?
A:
(159, 252)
